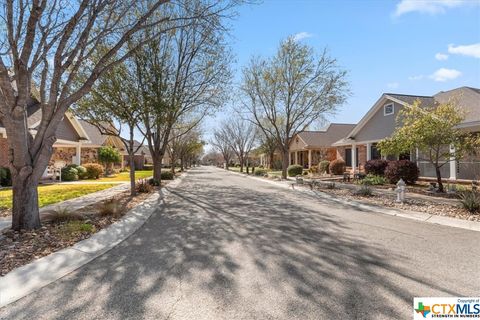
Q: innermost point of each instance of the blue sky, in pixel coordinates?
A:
(405, 46)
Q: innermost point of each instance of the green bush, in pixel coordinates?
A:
(323, 166)
(470, 201)
(294, 170)
(373, 180)
(69, 173)
(5, 177)
(94, 170)
(260, 172)
(109, 155)
(337, 167)
(364, 191)
(404, 169)
(166, 175)
(154, 182)
(82, 172)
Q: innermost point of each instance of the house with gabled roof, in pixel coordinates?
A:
(359, 145)
(308, 148)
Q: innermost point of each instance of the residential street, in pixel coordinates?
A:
(230, 247)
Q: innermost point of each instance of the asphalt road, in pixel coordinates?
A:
(230, 247)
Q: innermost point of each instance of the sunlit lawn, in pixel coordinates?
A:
(125, 176)
(49, 194)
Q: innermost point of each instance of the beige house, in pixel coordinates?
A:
(359, 145)
(308, 148)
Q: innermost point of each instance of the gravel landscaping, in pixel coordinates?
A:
(410, 204)
(61, 229)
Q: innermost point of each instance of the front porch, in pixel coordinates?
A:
(311, 157)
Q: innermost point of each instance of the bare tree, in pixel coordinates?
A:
(241, 136)
(46, 50)
(221, 143)
(290, 91)
(185, 147)
(185, 75)
(112, 105)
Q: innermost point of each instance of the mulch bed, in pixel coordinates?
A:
(20, 248)
(430, 207)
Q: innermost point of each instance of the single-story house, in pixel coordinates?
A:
(308, 148)
(359, 145)
(77, 142)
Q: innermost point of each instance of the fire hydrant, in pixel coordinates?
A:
(400, 191)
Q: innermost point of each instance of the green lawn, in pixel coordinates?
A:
(272, 173)
(125, 176)
(49, 194)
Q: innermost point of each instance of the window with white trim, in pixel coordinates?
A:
(388, 109)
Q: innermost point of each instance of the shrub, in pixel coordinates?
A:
(5, 177)
(364, 191)
(294, 170)
(94, 170)
(108, 155)
(260, 172)
(69, 173)
(153, 182)
(143, 186)
(323, 166)
(337, 167)
(61, 214)
(82, 172)
(313, 169)
(470, 201)
(404, 169)
(373, 180)
(166, 175)
(376, 167)
(111, 207)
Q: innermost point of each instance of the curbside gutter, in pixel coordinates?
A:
(413, 215)
(31, 277)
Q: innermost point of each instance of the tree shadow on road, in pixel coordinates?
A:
(219, 238)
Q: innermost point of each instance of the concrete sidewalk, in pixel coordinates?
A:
(76, 203)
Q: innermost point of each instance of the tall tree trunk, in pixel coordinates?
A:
(25, 212)
(157, 168)
(270, 160)
(182, 164)
(131, 156)
(284, 163)
(241, 164)
(439, 178)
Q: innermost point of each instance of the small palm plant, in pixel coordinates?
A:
(470, 201)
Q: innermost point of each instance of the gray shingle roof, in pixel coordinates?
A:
(467, 98)
(334, 132)
(410, 99)
(95, 136)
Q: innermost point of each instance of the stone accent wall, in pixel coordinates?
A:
(3, 152)
(89, 155)
(62, 154)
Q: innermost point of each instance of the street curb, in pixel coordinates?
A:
(413, 215)
(31, 277)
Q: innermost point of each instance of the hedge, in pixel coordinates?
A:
(294, 170)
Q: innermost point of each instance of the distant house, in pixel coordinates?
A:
(308, 148)
(359, 145)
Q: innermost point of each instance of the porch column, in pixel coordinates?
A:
(309, 159)
(296, 157)
(453, 164)
(289, 157)
(369, 151)
(78, 154)
(354, 158)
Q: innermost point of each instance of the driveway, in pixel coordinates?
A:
(229, 247)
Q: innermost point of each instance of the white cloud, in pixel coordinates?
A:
(415, 78)
(472, 50)
(441, 56)
(443, 74)
(430, 6)
(393, 85)
(302, 35)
